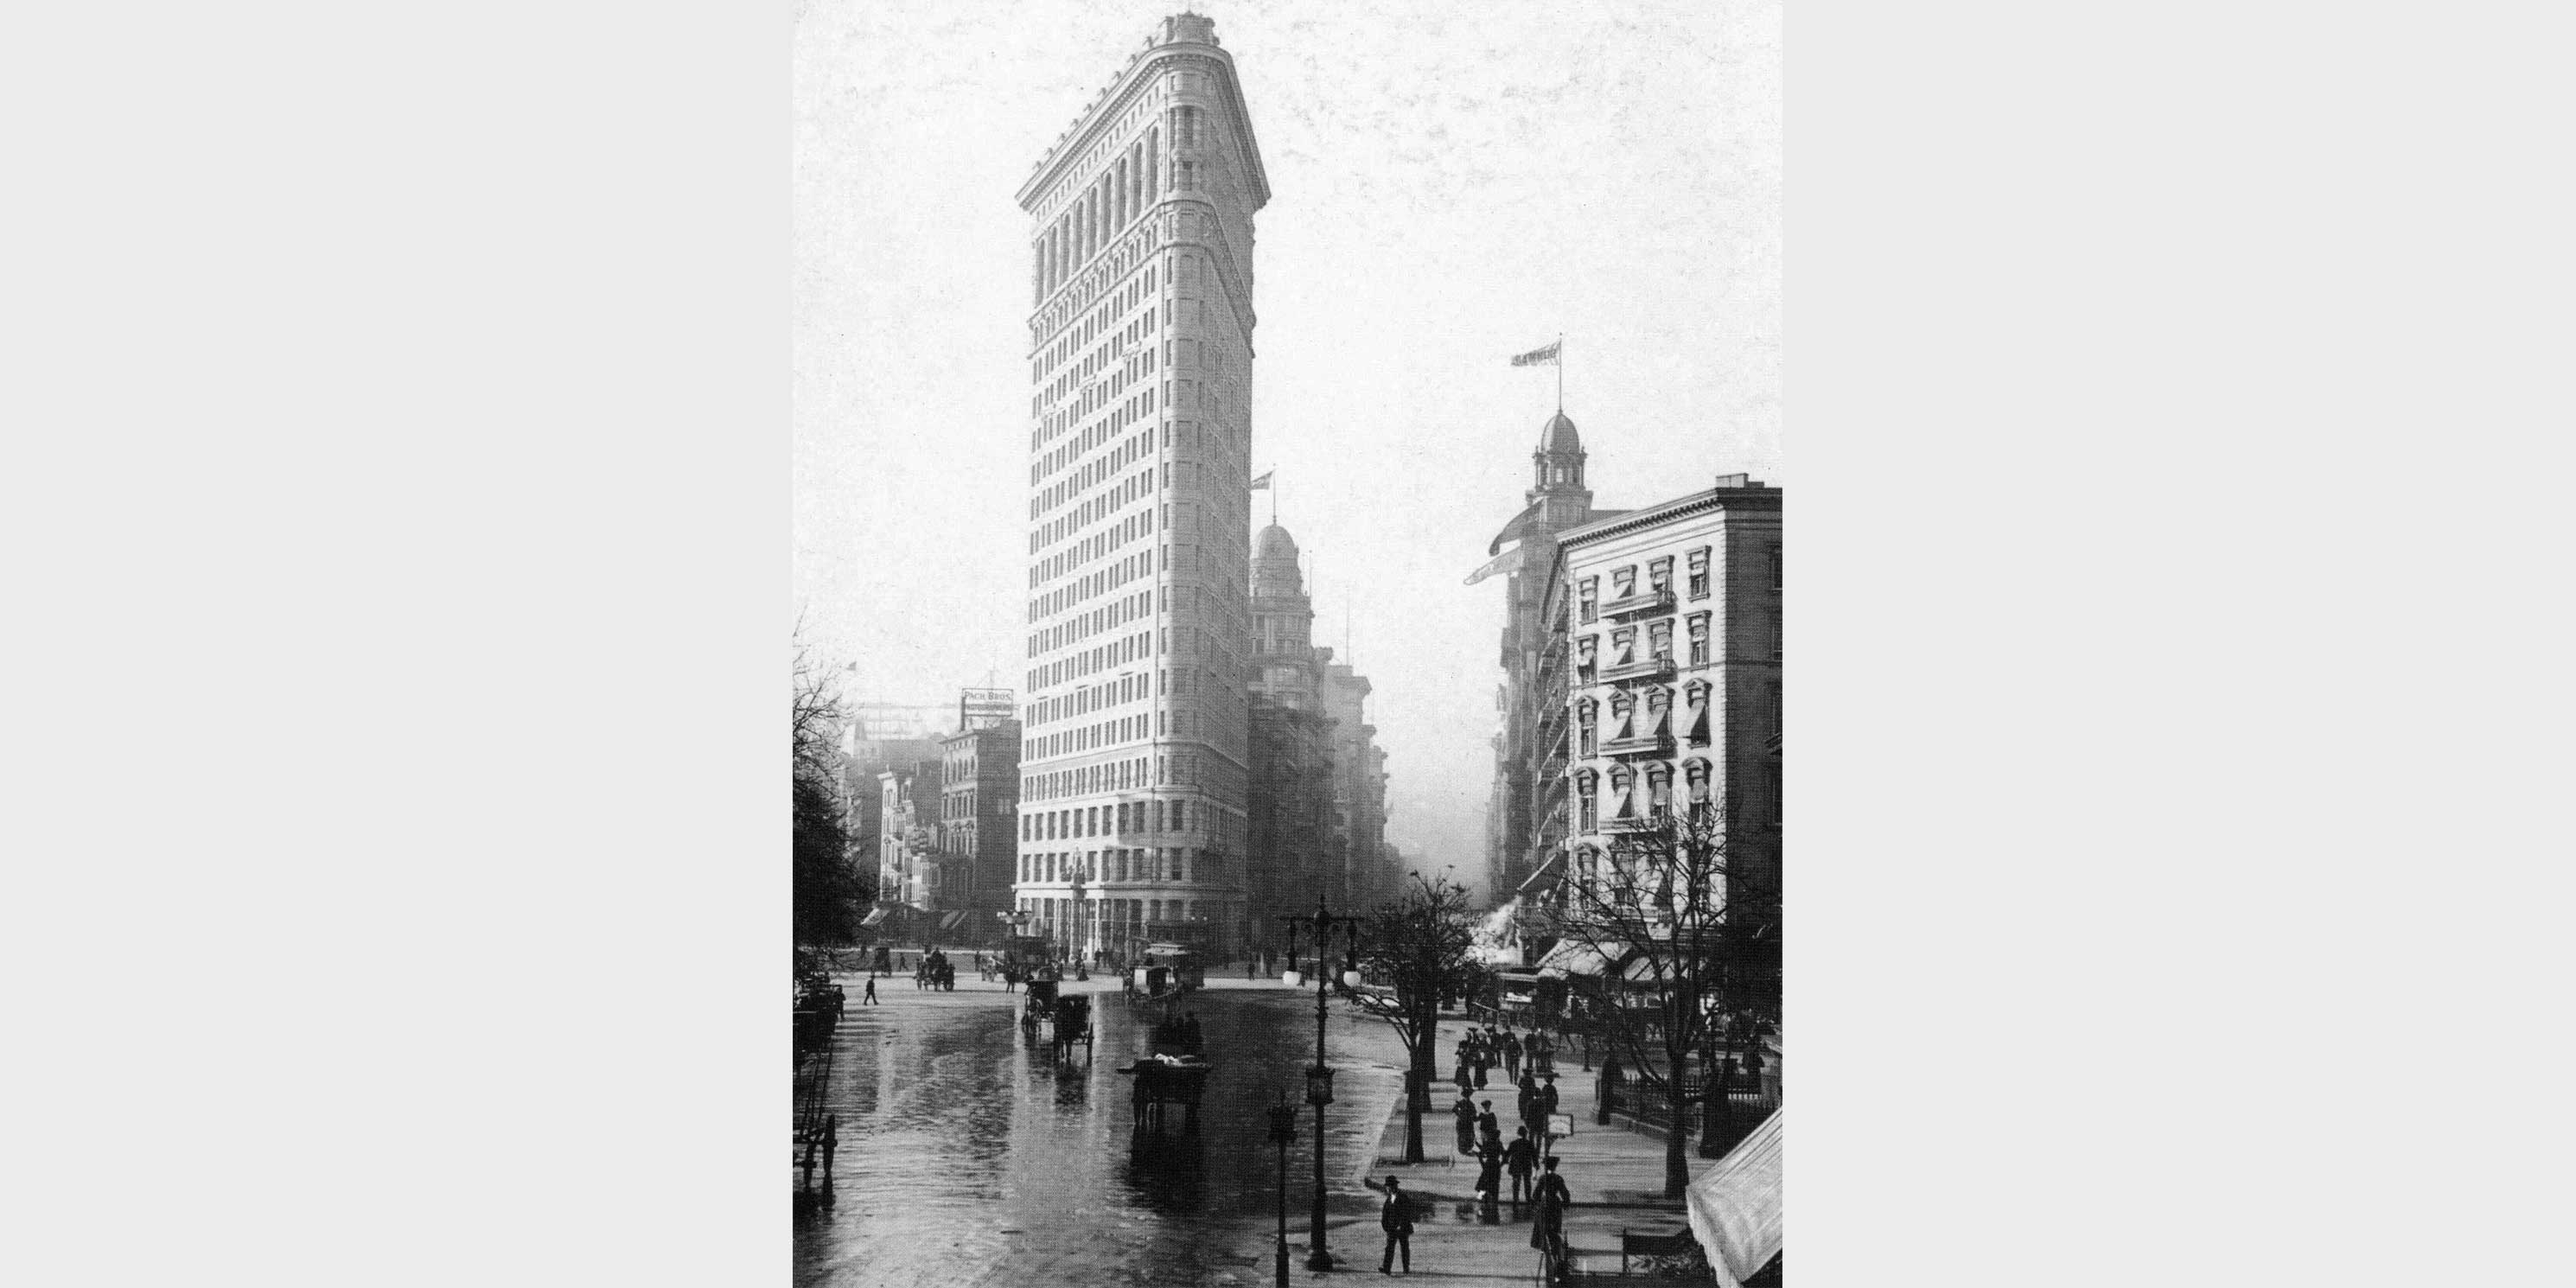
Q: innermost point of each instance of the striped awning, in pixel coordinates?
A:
(1735, 1206)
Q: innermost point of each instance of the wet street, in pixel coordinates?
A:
(967, 1157)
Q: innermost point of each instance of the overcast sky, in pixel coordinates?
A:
(1450, 184)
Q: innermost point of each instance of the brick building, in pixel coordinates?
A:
(978, 816)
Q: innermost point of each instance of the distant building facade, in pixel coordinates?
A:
(908, 835)
(1292, 837)
(979, 799)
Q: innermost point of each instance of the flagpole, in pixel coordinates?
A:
(1560, 373)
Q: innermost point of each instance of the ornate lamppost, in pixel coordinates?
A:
(1319, 1076)
(1283, 1130)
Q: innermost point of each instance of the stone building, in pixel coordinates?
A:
(1135, 751)
(1672, 696)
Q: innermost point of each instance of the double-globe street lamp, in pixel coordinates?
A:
(1319, 1076)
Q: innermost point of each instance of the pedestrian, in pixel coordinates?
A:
(869, 998)
(1466, 1084)
(1512, 1056)
(1489, 1173)
(1489, 1127)
(1396, 1218)
(1553, 1198)
(1483, 1062)
(1529, 1100)
(1466, 1124)
(840, 1000)
(1521, 1159)
(831, 1142)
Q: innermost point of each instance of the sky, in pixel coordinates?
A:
(1451, 184)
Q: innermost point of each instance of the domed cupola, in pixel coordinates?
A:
(1559, 436)
(1274, 563)
(1559, 458)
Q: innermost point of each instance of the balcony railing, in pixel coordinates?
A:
(1658, 744)
(1652, 668)
(1640, 823)
(1644, 601)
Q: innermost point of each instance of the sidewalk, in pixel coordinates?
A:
(1615, 1174)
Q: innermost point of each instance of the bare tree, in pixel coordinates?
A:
(1683, 933)
(1423, 944)
(826, 887)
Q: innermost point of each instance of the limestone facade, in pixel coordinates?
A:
(1134, 763)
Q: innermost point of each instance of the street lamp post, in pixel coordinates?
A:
(1319, 1076)
(1283, 1130)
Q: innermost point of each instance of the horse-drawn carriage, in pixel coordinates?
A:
(1169, 971)
(1067, 1017)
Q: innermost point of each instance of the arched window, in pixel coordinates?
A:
(1584, 787)
(1587, 715)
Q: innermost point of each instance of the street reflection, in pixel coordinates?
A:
(969, 1156)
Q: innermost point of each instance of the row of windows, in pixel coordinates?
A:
(1129, 450)
(1647, 798)
(1119, 819)
(1117, 198)
(1135, 487)
(1059, 352)
(1151, 863)
(1659, 581)
(1123, 918)
(1654, 721)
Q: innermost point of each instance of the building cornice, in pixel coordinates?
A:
(1721, 498)
(1114, 101)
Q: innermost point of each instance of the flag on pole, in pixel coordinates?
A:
(1543, 356)
(1509, 562)
(1263, 483)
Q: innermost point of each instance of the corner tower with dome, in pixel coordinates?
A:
(1533, 658)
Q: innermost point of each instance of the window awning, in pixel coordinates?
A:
(1546, 874)
(1574, 957)
(949, 921)
(1735, 1206)
(874, 916)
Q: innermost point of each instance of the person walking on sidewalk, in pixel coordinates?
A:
(1521, 1160)
(1489, 1178)
(1466, 1124)
(831, 1142)
(1466, 1084)
(1396, 1218)
(1512, 1056)
(1529, 1101)
(1547, 1233)
(1489, 1127)
(869, 998)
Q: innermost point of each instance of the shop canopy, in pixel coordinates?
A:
(1735, 1206)
(1574, 957)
